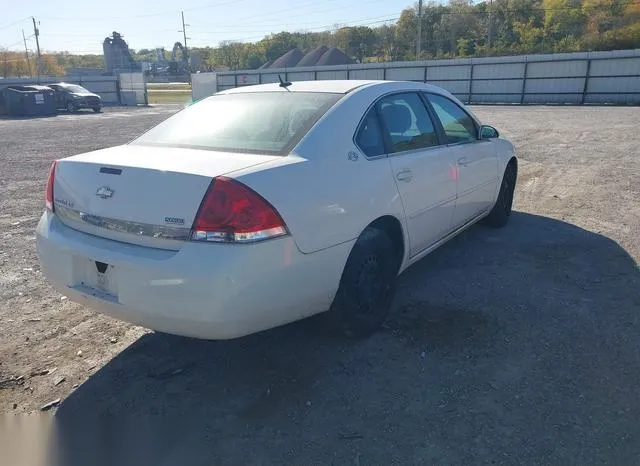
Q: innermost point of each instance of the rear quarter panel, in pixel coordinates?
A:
(327, 191)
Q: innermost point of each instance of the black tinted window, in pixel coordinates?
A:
(407, 122)
(369, 137)
(458, 125)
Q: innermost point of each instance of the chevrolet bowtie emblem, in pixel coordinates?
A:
(104, 192)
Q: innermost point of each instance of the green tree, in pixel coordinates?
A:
(385, 42)
(458, 28)
(529, 37)
(406, 28)
(357, 42)
(563, 18)
(465, 47)
(431, 28)
(277, 45)
(462, 22)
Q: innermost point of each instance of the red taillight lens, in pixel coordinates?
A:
(233, 213)
(48, 198)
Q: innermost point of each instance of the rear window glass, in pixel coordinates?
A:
(258, 122)
(75, 88)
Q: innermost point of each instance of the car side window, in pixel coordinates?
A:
(407, 122)
(369, 137)
(457, 124)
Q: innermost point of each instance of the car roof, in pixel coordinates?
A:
(337, 86)
(330, 86)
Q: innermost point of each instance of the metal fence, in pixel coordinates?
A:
(569, 78)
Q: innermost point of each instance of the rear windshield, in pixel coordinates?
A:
(75, 88)
(257, 122)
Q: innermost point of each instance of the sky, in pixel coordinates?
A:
(80, 26)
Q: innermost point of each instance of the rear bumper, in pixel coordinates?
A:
(213, 291)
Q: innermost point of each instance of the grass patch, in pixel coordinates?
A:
(169, 86)
(157, 96)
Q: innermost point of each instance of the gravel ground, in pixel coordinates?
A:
(520, 345)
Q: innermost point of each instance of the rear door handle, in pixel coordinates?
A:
(404, 175)
(462, 161)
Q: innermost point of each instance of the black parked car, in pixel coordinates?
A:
(72, 97)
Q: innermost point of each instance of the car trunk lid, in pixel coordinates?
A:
(140, 194)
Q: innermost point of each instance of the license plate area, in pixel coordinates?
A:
(95, 278)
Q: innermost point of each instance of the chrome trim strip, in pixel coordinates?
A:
(419, 150)
(122, 226)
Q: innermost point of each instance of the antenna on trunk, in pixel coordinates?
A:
(283, 83)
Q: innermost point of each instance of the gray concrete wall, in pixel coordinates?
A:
(574, 78)
(133, 87)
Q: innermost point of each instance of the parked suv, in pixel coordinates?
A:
(72, 97)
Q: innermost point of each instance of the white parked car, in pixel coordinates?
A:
(266, 204)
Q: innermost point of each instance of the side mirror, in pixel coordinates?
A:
(488, 132)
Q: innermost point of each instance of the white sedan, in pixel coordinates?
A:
(267, 204)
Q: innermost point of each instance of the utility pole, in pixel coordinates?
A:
(36, 32)
(26, 54)
(489, 25)
(419, 40)
(184, 32)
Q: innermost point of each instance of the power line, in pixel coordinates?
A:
(311, 26)
(296, 7)
(145, 15)
(194, 8)
(494, 11)
(291, 7)
(261, 16)
(14, 23)
(249, 39)
(344, 25)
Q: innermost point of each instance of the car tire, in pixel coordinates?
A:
(71, 107)
(97, 109)
(499, 215)
(367, 286)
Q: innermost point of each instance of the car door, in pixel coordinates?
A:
(422, 167)
(475, 159)
(57, 95)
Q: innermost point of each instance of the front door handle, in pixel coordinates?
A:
(404, 175)
(462, 161)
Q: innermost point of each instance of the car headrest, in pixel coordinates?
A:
(397, 118)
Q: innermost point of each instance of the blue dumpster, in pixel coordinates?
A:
(29, 100)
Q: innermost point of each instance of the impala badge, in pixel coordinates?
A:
(104, 192)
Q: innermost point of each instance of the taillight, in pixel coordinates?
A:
(48, 199)
(233, 213)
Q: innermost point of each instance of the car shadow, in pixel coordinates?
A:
(515, 345)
